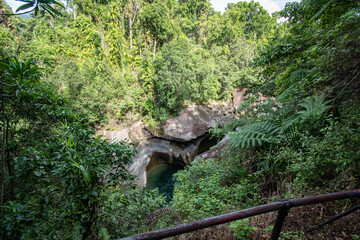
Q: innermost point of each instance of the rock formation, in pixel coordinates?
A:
(157, 151)
(193, 122)
(177, 141)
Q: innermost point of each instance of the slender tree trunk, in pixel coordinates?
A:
(123, 25)
(130, 32)
(139, 39)
(3, 156)
(120, 44)
(122, 60)
(74, 12)
(103, 44)
(155, 42)
(134, 8)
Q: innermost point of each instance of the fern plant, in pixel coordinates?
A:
(312, 116)
(278, 127)
(256, 134)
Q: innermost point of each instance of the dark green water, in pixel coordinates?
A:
(161, 178)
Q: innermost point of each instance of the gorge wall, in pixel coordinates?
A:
(178, 141)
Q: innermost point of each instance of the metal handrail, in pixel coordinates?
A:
(282, 207)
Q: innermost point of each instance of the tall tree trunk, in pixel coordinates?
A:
(130, 32)
(122, 60)
(120, 44)
(3, 156)
(74, 12)
(103, 44)
(123, 25)
(155, 42)
(131, 11)
(139, 40)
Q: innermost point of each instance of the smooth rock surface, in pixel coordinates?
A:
(138, 133)
(114, 135)
(156, 151)
(192, 122)
(239, 96)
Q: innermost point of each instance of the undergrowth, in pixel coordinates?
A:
(320, 156)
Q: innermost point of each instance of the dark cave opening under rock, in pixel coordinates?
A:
(162, 166)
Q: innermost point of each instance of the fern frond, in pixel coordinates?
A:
(256, 134)
(298, 74)
(314, 106)
(289, 129)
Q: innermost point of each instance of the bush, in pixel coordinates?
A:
(62, 184)
(129, 210)
(200, 191)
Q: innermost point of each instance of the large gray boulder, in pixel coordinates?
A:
(113, 132)
(193, 122)
(138, 133)
(134, 132)
(154, 152)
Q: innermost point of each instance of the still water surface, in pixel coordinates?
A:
(161, 178)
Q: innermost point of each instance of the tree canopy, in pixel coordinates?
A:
(69, 69)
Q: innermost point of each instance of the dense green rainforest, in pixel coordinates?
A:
(67, 69)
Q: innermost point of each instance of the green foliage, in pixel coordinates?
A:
(183, 73)
(192, 10)
(100, 47)
(130, 210)
(242, 229)
(311, 57)
(28, 106)
(277, 133)
(198, 192)
(125, 59)
(158, 18)
(252, 20)
(278, 127)
(62, 184)
(202, 191)
(56, 173)
(312, 116)
(256, 134)
(17, 72)
(292, 234)
(325, 159)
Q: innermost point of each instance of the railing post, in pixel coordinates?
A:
(282, 214)
(282, 207)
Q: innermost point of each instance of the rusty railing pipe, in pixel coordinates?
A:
(229, 217)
